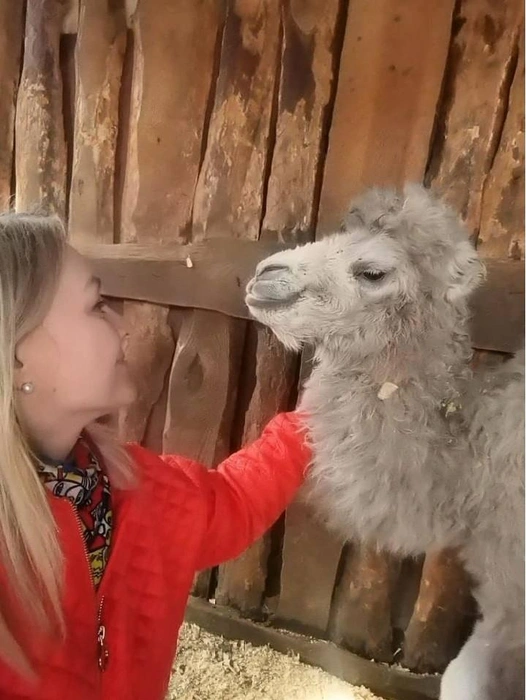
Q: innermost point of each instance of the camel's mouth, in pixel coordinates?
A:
(267, 304)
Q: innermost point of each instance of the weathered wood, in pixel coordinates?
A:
(443, 615)
(390, 78)
(99, 58)
(39, 133)
(498, 308)
(502, 218)
(11, 41)
(469, 123)
(172, 77)
(216, 279)
(161, 156)
(303, 94)
(149, 355)
(241, 583)
(391, 72)
(231, 182)
(70, 24)
(192, 426)
(230, 190)
(389, 682)
(368, 581)
(306, 586)
(153, 434)
(222, 267)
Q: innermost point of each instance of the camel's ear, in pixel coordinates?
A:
(464, 273)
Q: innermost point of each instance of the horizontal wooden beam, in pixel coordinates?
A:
(390, 682)
(498, 308)
(212, 275)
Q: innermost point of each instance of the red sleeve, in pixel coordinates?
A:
(247, 492)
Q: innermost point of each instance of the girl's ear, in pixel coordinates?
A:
(22, 380)
(464, 273)
(19, 370)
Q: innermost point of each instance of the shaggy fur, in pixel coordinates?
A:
(439, 461)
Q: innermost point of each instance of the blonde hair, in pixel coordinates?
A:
(32, 249)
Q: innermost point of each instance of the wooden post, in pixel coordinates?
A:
(502, 217)
(442, 617)
(39, 135)
(309, 55)
(11, 42)
(468, 130)
(480, 68)
(367, 584)
(390, 78)
(391, 72)
(229, 197)
(172, 65)
(99, 58)
(303, 95)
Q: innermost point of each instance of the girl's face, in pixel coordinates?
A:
(75, 358)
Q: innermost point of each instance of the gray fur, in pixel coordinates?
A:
(438, 463)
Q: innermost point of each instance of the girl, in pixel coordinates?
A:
(99, 544)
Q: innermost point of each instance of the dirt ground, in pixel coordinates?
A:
(213, 668)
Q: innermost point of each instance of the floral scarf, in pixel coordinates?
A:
(81, 480)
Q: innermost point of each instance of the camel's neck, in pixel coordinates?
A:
(398, 364)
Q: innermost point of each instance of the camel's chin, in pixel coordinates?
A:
(271, 321)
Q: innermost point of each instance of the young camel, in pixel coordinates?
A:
(411, 452)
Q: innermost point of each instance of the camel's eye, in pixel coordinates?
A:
(372, 275)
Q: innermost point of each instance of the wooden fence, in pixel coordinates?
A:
(219, 130)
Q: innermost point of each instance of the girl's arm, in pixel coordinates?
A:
(247, 492)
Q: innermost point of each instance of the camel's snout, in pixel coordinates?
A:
(272, 285)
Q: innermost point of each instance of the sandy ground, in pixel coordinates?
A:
(213, 668)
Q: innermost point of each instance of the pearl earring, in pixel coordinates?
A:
(27, 388)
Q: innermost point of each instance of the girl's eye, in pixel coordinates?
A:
(372, 275)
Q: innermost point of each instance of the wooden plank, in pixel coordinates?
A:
(231, 183)
(229, 196)
(303, 94)
(242, 582)
(149, 354)
(306, 587)
(99, 58)
(70, 25)
(161, 155)
(480, 67)
(502, 217)
(391, 72)
(221, 268)
(498, 308)
(443, 616)
(11, 41)
(308, 55)
(192, 427)
(388, 681)
(164, 149)
(390, 78)
(40, 146)
(230, 188)
(480, 70)
(368, 581)
(216, 280)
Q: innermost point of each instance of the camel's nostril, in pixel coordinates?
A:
(274, 285)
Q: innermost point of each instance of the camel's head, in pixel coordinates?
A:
(402, 263)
